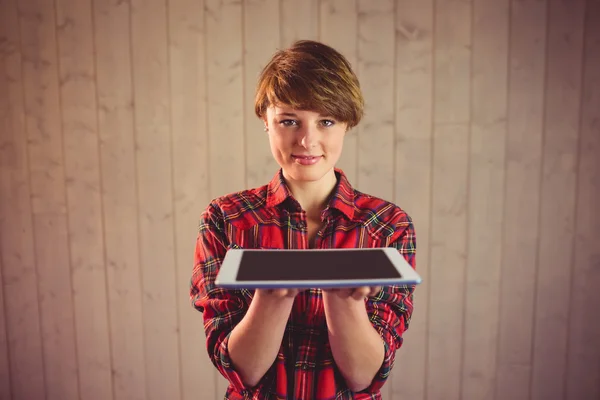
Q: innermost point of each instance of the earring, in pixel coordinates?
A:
(266, 129)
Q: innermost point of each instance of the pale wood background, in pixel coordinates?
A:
(120, 120)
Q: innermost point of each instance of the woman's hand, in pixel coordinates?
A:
(278, 293)
(357, 293)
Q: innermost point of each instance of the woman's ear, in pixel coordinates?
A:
(264, 120)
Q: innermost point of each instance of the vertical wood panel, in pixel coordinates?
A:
(450, 192)
(300, 20)
(339, 29)
(521, 208)
(376, 70)
(115, 98)
(19, 275)
(42, 108)
(489, 79)
(412, 174)
(46, 167)
(225, 108)
(60, 353)
(5, 385)
(225, 91)
(261, 40)
(79, 119)
(584, 326)
(190, 181)
(557, 219)
(152, 114)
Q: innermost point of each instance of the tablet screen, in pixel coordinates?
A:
(302, 265)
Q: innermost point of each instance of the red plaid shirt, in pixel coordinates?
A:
(270, 218)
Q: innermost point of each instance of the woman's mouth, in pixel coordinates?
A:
(306, 160)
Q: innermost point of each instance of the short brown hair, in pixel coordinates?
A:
(311, 76)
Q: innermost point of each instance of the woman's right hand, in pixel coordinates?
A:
(255, 341)
(277, 293)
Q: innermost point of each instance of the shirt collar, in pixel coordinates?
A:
(342, 198)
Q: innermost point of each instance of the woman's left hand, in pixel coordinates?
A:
(357, 293)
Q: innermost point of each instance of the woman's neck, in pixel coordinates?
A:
(313, 196)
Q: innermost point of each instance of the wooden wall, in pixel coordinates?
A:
(121, 119)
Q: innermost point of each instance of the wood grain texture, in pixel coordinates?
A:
(489, 75)
(56, 307)
(5, 385)
(119, 197)
(299, 20)
(557, 207)
(452, 69)
(412, 175)
(333, 15)
(224, 53)
(19, 274)
(225, 90)
(42, 107)
(376, 70)
(261, 38)
(82, 177)
(583, 348)
(152, 118)
(522, 198)
(187, 71)
(46, 169)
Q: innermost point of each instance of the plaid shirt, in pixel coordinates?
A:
(270, 218)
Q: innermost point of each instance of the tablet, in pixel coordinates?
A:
(314, 268)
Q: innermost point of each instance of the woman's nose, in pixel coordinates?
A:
(308, 137)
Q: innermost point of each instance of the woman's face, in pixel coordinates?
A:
(306, 144)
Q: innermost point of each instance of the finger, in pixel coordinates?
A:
(279, 292)
(375, 291)
(361, 292)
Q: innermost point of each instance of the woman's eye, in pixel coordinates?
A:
(327, 122)
(288, 122)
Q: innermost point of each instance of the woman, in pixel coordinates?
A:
(313, 344)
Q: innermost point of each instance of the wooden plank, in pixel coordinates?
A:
(46, 169)
(339, 29)
(452, 55)
(412, 174)
(82, 167)
(376, 69)
(486, 196)
(155, 196)
(375, 65)
(19, 278)
(190, 181)
(42, 106)
(299, 20)
(583, 368)
(60, 358)
(117, 160)
(521, 206)
(261, 40)
(224, 53)
(557, 207)
(5, 386)
(227, 144)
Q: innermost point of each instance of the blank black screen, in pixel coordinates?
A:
(302, 265)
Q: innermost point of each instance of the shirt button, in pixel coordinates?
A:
(301, 225)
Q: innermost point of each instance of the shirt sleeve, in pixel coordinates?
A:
(222, 309)
(390, 311)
